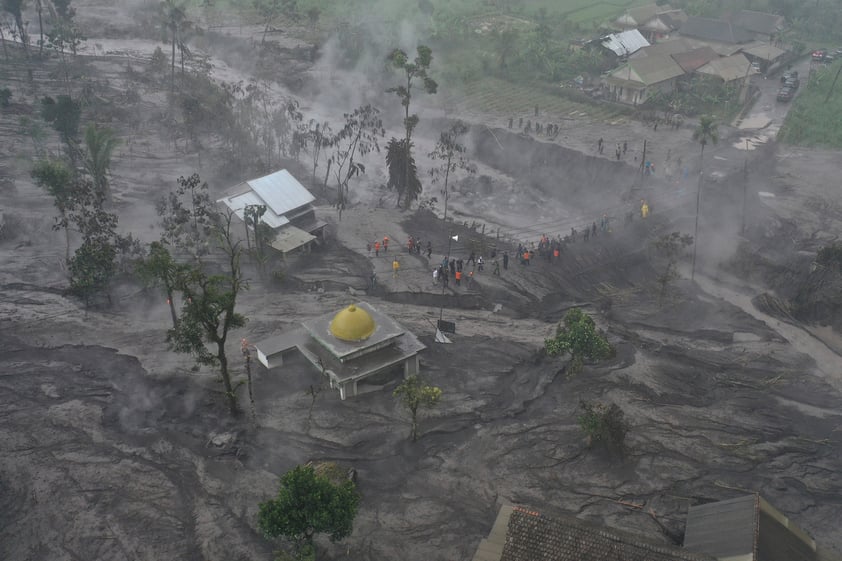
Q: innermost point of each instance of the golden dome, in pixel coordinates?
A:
(352, 324)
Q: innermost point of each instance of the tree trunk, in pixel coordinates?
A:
(446, 177)
(414, 430)
(698, 201)
(172, 307)
(40, 28)
(408, 134)
(172, 66)
(226, 377)
(3, 40)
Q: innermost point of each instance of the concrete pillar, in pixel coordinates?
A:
(342, 392)
(355, 388)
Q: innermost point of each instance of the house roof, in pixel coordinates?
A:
(728, 68)
(280, 192)
(648, 71)
(625, 43)
(748, 528)
(764, 51)
(672, 46)
(693, 59)
(710, 29)
(638, 15)
(759, 22)
(533, 537)
(673, 18)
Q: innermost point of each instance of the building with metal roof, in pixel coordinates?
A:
(289, 208)
(625, 43)
(748, 528)
(521, 534)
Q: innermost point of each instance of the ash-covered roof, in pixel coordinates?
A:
(693, 59)
(728, 68)
(710, 29)
(759, 22)
(648, 71)
(533, 537)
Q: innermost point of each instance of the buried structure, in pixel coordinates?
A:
(358, 343)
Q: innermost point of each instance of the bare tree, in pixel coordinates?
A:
(451, 154)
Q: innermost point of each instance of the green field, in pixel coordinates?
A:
(812, 121)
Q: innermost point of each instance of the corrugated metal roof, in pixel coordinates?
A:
(728, 68)
(625, 43)
(759, 22)
(281, 192)
(250, 198)
(723, 529)
(669, 47)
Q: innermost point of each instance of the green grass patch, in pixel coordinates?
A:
(812, 121)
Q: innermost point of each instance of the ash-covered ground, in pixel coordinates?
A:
(113, 448)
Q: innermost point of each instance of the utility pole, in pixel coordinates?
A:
(445, 272)
(745, 189)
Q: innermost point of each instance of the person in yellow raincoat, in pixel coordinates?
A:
(644, 209)
(396, 266)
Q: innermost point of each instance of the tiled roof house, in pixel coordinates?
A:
(530, 536)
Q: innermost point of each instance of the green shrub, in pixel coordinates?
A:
(580, 338)
(604, 425)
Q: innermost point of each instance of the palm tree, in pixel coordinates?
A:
(706, 131)
(174, 19)
(100, 144)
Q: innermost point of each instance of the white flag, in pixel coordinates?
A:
(455, 238)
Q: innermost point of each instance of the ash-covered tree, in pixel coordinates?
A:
(100, 143)
(669, 248)
(413, 70)
(159, 268)
(309, 503)
(414, 394)
(604, 425)
(194, 226)
(451, 156)
(57, 179)
(403, 175)
(173, 15)
(357, 138)
(320, 136)
(579, 338)
(15, 9)
(271, 10)
(64, 114)
(93, 264)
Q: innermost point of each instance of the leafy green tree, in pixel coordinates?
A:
(580, 338)
(669, 248)
(100, 143)
(308, 504)
(604, 425)
(209, 299)
(414, 394)
(505, 46)
(413, 70)
(64, 114)
(401, 171)
(451, 155)
(706, 132)
(57, 179)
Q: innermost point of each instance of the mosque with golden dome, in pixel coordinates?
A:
(358, 345)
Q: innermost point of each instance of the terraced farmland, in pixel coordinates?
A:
(505, 99)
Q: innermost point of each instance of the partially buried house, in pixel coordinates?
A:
(359, 344)
(289, 209)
